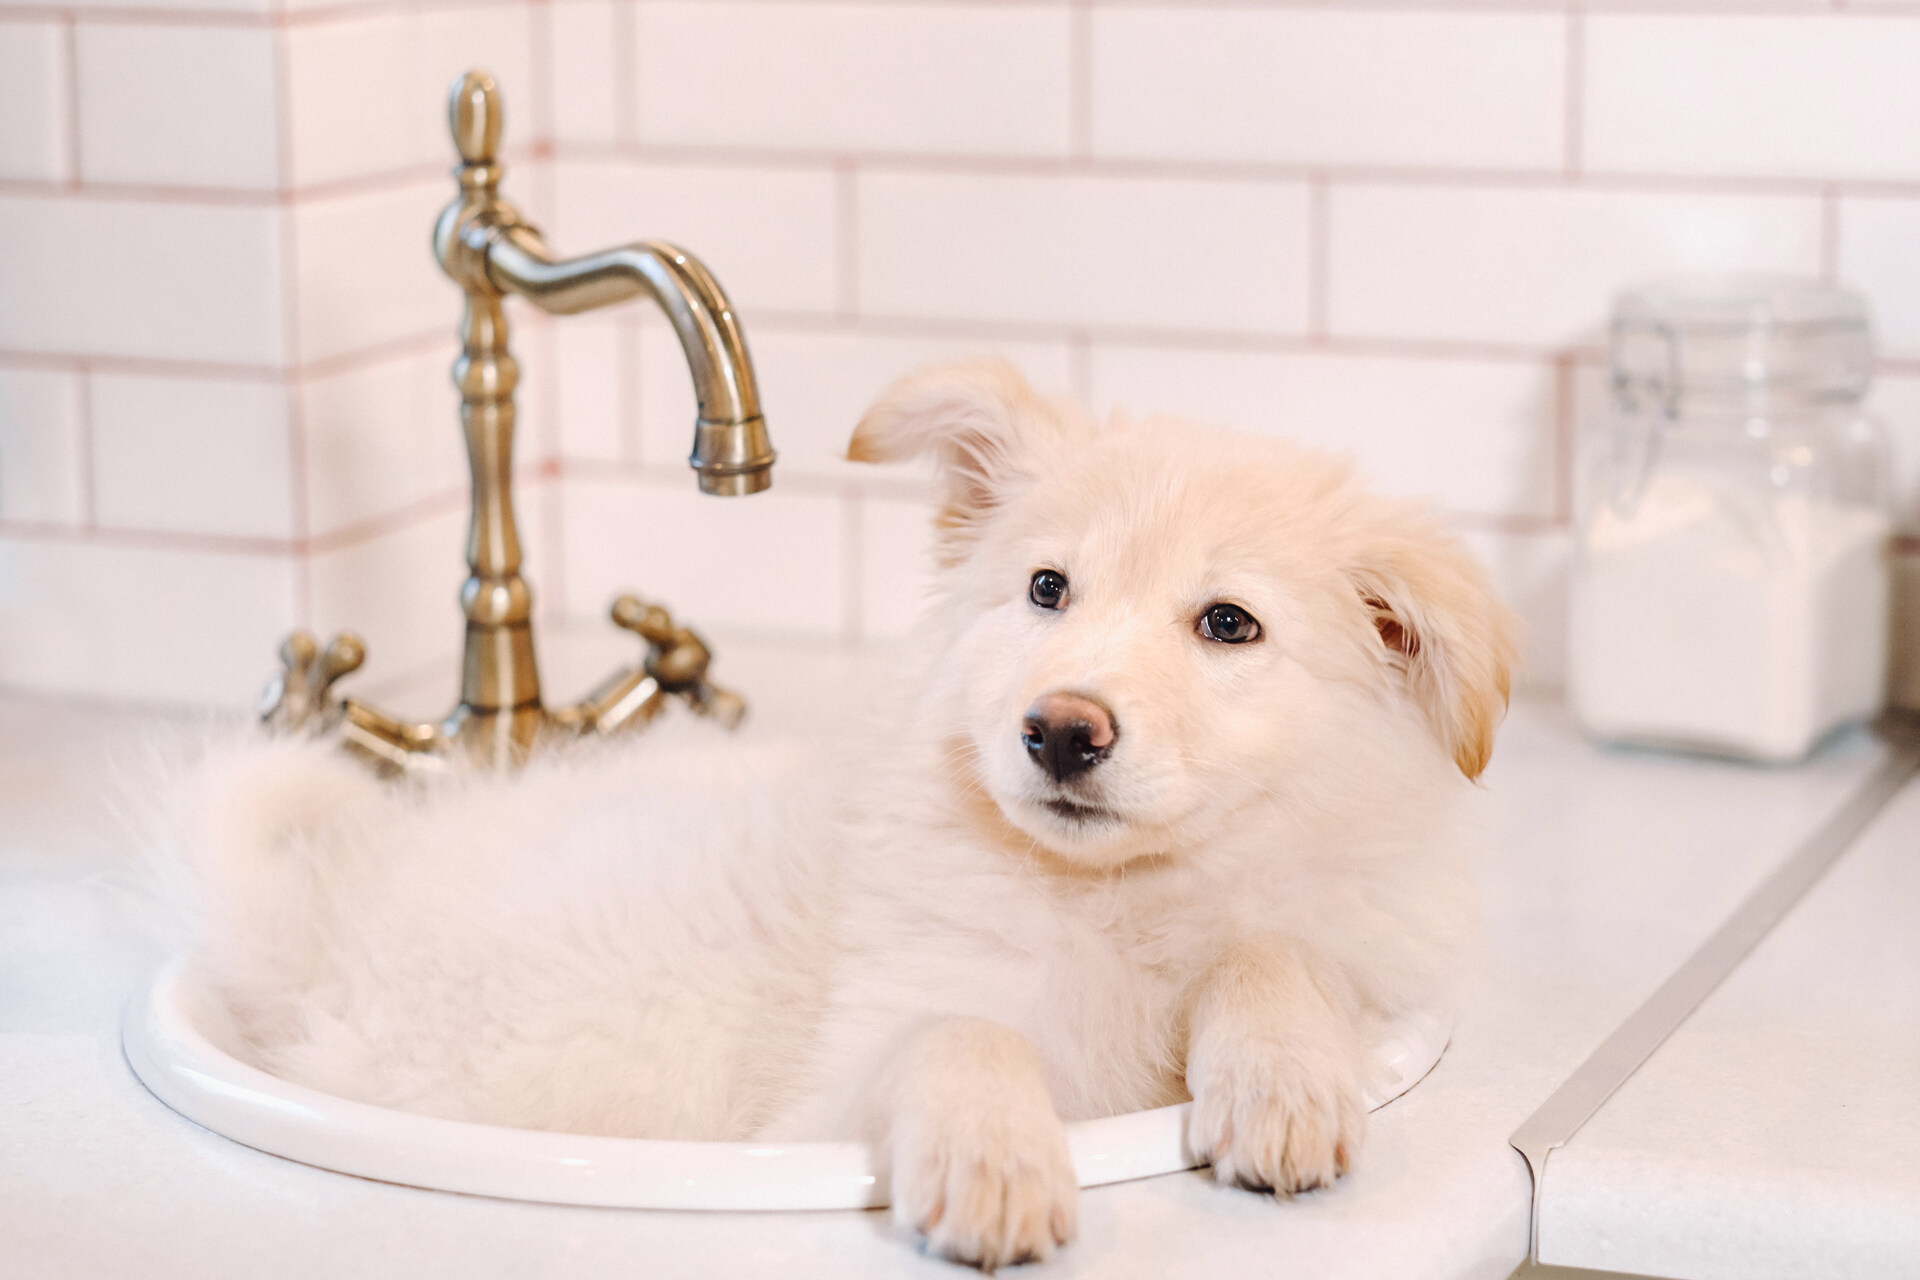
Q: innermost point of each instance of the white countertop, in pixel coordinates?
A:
(1608, 868)
(1776, 1135)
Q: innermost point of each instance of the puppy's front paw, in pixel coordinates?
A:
(1277, 1117)
(986, 1189)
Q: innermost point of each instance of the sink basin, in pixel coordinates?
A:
(219, 1092)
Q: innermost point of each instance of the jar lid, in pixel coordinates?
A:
(1745, 336)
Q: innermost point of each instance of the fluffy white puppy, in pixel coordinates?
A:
(1173, 799)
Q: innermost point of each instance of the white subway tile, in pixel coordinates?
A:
(144, 623)
(379, 438)
(177, 105)
(1473, 435)
(1537, 264)
(369, 94)
(767, 234)
(1082, 250)
(136, 278)
(33, 101)
(596, 369)
(896, 566)
(1827, 95)
(399, 591)
(1529, 572)
(495, 38)
(374, 126)
(947, 78)
(586, 92)
(814, 387)
(1323, 86)
(1880, 256)
(771, 562)
(191, 455)
(366, 272)
(42, 466)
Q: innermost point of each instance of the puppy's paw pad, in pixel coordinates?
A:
(991, 1203)
(1284, 1124)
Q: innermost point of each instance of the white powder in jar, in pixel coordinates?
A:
(1721, 618)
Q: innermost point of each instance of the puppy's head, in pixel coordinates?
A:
(1151, 627)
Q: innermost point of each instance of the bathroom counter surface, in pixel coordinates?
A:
(1776, 1135)
(1607, 869)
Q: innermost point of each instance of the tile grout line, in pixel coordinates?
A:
(298, 461)
(1830, 234)
(89, 486)
(1565, 432)
(628, 373)
(846, 238)
(1080, 366)
(1319, 258)
(626, 88)
(70, 104)
(1573, 108)
(1080, 80)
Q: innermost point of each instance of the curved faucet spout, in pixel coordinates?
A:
(731, 451)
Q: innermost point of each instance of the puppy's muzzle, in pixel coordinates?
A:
(1066, 734)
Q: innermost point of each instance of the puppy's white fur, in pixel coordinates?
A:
(902, 940)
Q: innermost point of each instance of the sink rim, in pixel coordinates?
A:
(217, 1091)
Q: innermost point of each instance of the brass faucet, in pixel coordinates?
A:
(489, 252)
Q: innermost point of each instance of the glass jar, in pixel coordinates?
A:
(1730, 579)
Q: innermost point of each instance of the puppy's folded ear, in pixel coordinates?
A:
(1439, 625)
(987, 431)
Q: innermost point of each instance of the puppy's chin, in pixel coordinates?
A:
(1084, 832)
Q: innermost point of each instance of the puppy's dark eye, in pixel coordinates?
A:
(1229, 624)
(1048, 589)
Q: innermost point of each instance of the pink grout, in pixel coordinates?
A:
(935, 327)
(350, 12)
(1319, 257)
(626, 86)
(627, 371)
(896, 488)
(1575, 107)
(298, 460)
(1224, 171)
(1565, 410)
(1830, 234)
(846, 246)
(540, 67)
(70, 49)
(1080, 81)
(89, 489)
(1080, 365)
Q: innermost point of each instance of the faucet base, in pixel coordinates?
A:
(300, 700)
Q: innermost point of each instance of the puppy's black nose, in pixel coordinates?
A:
(1066, 734)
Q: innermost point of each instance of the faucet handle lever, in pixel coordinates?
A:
(678, 659)
(474, 114)
(301, 696)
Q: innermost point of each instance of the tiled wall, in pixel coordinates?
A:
(1391, 229)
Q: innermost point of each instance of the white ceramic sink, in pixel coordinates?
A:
(221, 1093)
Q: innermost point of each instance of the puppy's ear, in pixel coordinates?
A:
(987, 431)
(1439, 625)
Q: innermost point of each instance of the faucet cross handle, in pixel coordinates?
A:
(299, 698)
(678, 659)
